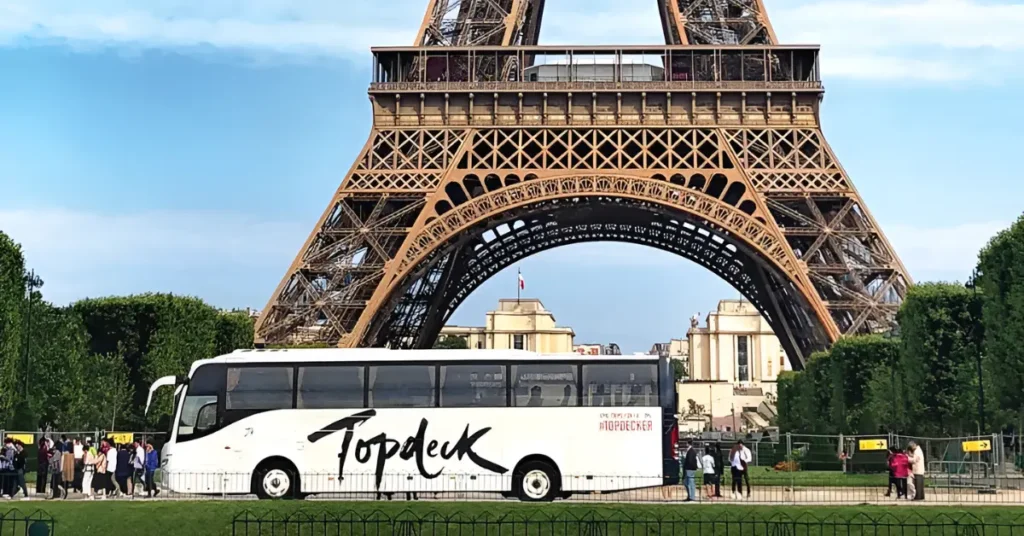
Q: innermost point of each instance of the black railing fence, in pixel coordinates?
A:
(17, 523)
(603, 523)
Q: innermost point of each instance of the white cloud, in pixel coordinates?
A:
(922, 40)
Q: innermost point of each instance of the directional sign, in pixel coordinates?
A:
(977, 446)
(873, 444)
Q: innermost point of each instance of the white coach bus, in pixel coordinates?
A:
(289, 423)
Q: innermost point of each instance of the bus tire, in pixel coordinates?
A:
(536, 481)
(276, 479)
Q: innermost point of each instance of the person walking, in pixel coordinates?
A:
(899, 467)
(89, 460)
(690, 465)
(917, 466)
(7, 474)
(123, 473)
(719, 470)
(152, 462)
(747, 457)
(892, 476)
(42, 466)
(736, 467)
(67, 464)
(101, 480)
(20, 462)
(139, 465)
(710, 475)
(111, 456)
(56, 474)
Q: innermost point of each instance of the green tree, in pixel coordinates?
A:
(60, 347)
(678, 369)
(854, 360)
(12, 300)
(451, 342)
(1001, 282)
(804, 397)
(156, 335)
(108, 392)
(234, 332)
(940, 325)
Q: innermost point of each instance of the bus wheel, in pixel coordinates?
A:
(275, 480)
(536, 481)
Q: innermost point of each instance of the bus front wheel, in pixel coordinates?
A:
(536, 481)
(275, 479)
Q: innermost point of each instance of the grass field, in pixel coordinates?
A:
(179, 518)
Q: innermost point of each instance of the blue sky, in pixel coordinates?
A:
(190, 146)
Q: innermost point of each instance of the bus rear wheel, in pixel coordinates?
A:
(536, 481)
(275, 480)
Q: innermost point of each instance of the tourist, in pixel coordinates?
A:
(899, 468)
(89, 461)
(124, 471)
(42, 466)
(20, 455)
(892, 476)
(737, 467)
(101, 481)
(152, 463)
(67, 464)
(7, 473)
(690, 466)
(55, 471)
(139, 466)
(917, 464)
(710, 473)
(719, 470)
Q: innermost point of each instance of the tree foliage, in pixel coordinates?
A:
(1001, 281)
(852, 363)
(234, 332)
(12, 299)
(155, 335)
(941, 329)
(57, 371)
(451, 342)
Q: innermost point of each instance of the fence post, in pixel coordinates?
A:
(790, 465)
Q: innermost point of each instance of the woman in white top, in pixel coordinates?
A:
(708, 464)
(111, 468)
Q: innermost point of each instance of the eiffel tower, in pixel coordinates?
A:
(487, 148)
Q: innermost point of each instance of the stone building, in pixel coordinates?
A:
(517, 324)
(733, 363)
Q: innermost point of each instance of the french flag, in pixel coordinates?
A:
(522, 282)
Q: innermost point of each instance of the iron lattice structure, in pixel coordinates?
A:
(487, 148)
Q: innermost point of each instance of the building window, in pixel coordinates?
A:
(620, 385)
(402, 386)
(467, 386)
(479, 345)
(743, 358)
(769, 369)
(330, 387)
(517, 342)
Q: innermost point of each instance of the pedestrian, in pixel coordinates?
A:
(719, 470)
(152, 462)
(747, 458)
(917, 466)
(20, 461)
(67, 464)
(690, 465)
(42, 466)
(710, 477)
(123, 473)
(89, 460)
(111, 457)
(78, 450)
(139, 465)
(738, 466)
(7, 473)
(55, 470)
(899, 467)
(101, 481)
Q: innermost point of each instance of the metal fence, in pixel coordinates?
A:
(595, 523)
(762, 485)
(16, 523)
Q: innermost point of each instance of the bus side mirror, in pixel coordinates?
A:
(162, 382)
(207, 417)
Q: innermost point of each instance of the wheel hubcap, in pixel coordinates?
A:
(276, 483)
(536, 484)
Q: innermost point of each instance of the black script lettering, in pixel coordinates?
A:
(415, 446)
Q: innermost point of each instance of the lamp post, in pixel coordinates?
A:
(32, 282)
(973, 285)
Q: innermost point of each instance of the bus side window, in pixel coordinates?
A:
(199, 405)
(548, 385)
(402, 386)
(259, 388)
(620, 385)
(330, 387)
(468, 386)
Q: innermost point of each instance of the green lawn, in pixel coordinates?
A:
(761, 476)
(180, 518)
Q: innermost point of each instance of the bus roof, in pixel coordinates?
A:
(384, 355)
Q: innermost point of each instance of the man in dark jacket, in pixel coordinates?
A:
(690, 465)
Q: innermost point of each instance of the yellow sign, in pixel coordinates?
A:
(121, 438)
(27, 439)
(873, 444)
(977, 446)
